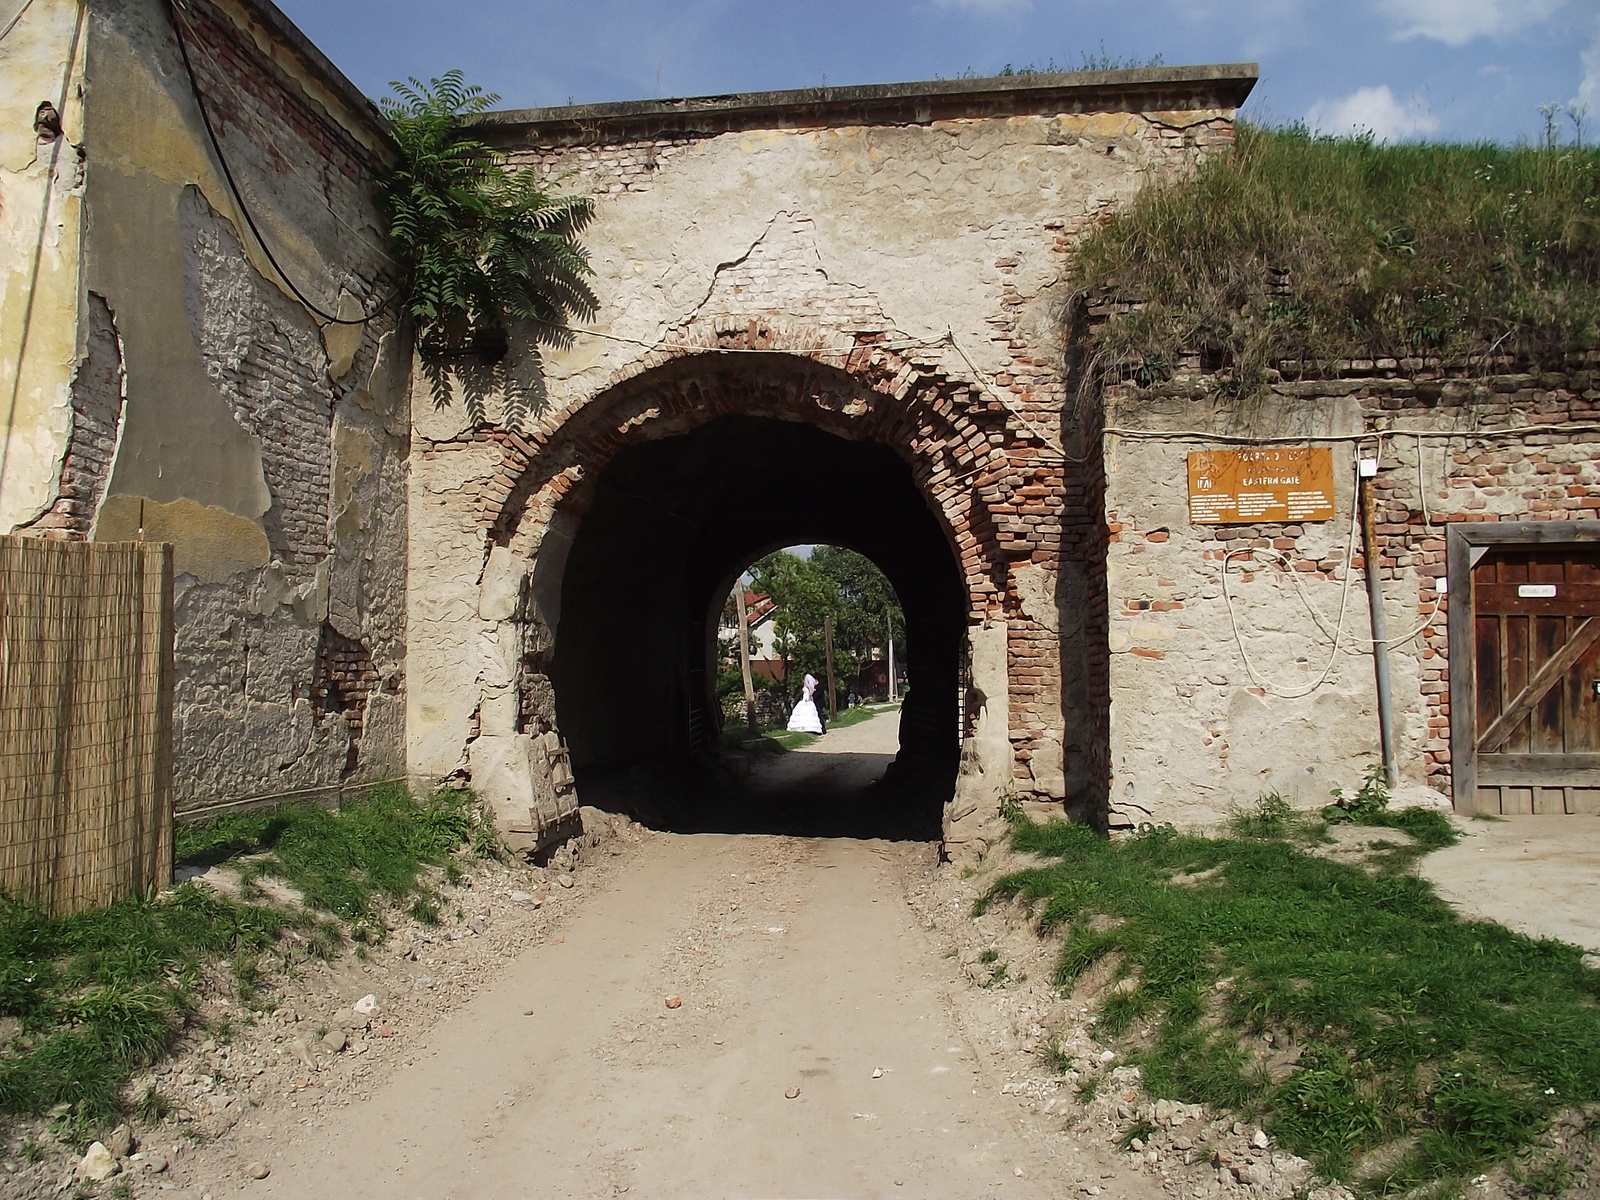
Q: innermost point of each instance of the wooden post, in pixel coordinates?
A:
(744, 657)
(827, 634)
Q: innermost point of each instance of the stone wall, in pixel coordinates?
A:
(1195, 728)
(909, 269)
(208, 405)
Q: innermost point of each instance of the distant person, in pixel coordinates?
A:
(852, 699)
(806, 718)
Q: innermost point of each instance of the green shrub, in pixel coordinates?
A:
(1316, 249)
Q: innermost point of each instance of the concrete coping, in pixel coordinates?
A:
(1146, 89)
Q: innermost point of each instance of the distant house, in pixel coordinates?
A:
(760, 609)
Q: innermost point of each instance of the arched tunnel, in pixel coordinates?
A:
(672, 524)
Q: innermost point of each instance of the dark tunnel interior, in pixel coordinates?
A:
(672, 524)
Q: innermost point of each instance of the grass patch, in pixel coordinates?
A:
(343, 862)
(100, 994)
(1411, 1021)
(1312, 248)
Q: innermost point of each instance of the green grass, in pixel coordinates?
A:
(344, 861)
(1412, 1021)
(101, 994)
(1300, 247)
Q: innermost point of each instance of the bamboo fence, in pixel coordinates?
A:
(86, 680)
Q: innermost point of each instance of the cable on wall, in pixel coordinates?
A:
(238, 197)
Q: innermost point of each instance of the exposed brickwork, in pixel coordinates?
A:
(98, 394)
(1495, 444)
(605, 170)
(249, 95)
(342, 681)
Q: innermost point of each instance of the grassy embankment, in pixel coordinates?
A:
(1450, 1043)
(90, 999)
(1317, 249)
(738, 738)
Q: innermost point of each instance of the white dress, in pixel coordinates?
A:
(804, 718)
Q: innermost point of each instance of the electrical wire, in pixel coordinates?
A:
(238, 197)
(12, 24)
(377, 247)
(1337, 636)
(37, 258)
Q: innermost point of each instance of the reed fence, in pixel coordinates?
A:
(85, 720)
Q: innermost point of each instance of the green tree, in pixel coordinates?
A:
(867, 598)
(484, 244)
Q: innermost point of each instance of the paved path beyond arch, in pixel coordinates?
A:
(799, 964)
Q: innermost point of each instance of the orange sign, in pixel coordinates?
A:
(1267, 486)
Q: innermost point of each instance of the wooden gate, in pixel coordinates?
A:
(1533, 704)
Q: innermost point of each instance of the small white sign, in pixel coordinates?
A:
(1535, 591)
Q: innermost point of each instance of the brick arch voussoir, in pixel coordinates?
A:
(953, 437)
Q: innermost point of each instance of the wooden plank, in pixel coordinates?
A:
(1545, 678)
(1488, 655)
(1515, 670)
(1571, 599)
(1583, 799)
(1544, 770)
(1549, 800)
(1549, 634)
(1583, 704)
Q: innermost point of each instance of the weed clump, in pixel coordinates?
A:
(1428, 828)
(1457, 1038)
(1317, 249)
(342, 862)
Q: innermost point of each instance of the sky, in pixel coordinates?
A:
(1460, 70)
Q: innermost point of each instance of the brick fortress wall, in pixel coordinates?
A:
(981, 413)
(208, 384)
(1459, 443)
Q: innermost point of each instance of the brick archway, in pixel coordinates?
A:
(969, 454)
(996, 483)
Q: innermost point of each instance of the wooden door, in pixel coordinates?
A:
(1536, 627)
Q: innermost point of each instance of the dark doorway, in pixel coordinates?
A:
(671, 524)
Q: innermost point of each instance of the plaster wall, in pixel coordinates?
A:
(217, 411)
(1211, 709)
(937, 245)
(41, 231)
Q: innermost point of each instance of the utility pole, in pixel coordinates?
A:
(827, 635)
(888, 640)
(1366, 479)
(744, 657)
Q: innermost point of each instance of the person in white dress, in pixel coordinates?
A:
(805, 718)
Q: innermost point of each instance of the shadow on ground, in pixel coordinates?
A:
(808, 793)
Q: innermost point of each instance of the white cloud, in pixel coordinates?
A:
(987, 8)
(1456, 22)
(1589, 89)
(1372, 110)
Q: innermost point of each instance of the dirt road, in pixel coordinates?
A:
(816, 1050)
